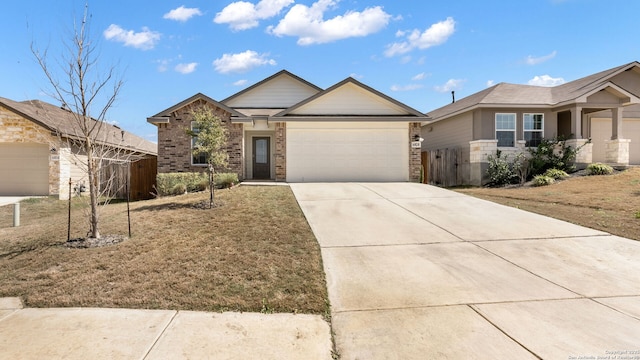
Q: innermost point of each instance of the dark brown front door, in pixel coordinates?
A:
(261, 158)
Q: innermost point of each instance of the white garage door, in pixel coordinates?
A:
(602, 130)
(323, 151)
(24, 169)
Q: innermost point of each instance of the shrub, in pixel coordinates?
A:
(599, 169)
(500, 171)
(192, 181)
(225, 180)
(553, 154)
(542, 180)
(556, 174)
(178, 189)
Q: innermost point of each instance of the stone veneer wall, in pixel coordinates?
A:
(617, 152)
(281, 151)
(16, 129)
(415, 160)
(174, 145)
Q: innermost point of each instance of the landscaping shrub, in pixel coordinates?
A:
(225, 180)
(178, 189)
(500, 171)
(553, 154)
(542, 180)
(166, 184)
(556, 174)
(599, 169)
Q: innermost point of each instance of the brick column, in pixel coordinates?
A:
(415, 162)
(235, 148)
(281, 151)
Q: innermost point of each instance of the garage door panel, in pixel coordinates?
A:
(24, 169)
(347, 152)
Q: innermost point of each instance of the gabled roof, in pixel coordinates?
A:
(270, 78)
(166, 113)
(323, 94)
(514, 95)
(64, 122)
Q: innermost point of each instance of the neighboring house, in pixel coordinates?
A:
(603, 107)
(36, 157)
(286, 129)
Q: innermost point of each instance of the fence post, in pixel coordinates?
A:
(16, 214)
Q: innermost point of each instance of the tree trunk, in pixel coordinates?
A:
(211, 186)
(92, 172)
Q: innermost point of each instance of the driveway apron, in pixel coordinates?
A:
(419, 272)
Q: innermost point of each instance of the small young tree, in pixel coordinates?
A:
(87, 91)
(210, 138)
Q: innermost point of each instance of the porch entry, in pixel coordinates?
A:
(261, 158)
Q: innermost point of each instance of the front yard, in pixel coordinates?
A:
(609, 203)
(255, 252)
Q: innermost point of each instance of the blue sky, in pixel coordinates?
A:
(414, 51)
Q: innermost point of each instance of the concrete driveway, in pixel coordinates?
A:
(419, 272)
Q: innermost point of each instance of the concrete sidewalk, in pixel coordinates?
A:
(418, 272)
(89, 333)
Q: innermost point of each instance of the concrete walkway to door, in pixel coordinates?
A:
(419, 272)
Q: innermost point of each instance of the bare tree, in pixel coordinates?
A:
(87, 91)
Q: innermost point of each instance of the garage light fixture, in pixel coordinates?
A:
(417, 137)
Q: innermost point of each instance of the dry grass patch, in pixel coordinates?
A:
(254, 252)
(609, 203)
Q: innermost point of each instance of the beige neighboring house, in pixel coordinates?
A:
(35, 156)
(284, 128)
(603, 107)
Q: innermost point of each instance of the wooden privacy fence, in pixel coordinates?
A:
(442, 167)
(142, 181)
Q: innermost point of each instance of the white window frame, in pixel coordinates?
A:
(515, 127)
(525, 130)
(193, 143)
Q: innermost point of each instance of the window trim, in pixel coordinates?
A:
(192, 156)
(524, 130)
(514, 131)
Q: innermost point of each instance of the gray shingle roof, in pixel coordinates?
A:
(505, 94)
(56, 119)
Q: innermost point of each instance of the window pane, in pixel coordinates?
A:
(261, 151)
(533, 138)
(505, 122)
(533, 121)
(505, 138)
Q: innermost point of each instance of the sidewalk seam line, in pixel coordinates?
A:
(155, 341)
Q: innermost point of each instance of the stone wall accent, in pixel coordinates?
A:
(174, 144)
(584, 156)
(281, 151)
(415, 161)
(16, 129)
(617, 152)
(478, 160)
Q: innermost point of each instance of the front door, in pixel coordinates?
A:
(261, 158)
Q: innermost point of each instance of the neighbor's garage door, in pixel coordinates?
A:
(24, 169)
(602, 130)
(350, 151)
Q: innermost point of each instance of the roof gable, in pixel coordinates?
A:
(351, 98)
(199, 96)
(280, 90)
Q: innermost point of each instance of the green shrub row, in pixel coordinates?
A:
(180, 183)
(599, 169)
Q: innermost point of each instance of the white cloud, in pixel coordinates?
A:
(309, 25)
(182, 14)
(451, 84)
(240, 82)
(144, 40)
(241, 62)
(163, 65)
(243, 15)
(530, 60)
(546, 80)
(356, 76)
(419, 77)
(186, 68)
(409, 87)
(490, 83)
(436, 34)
